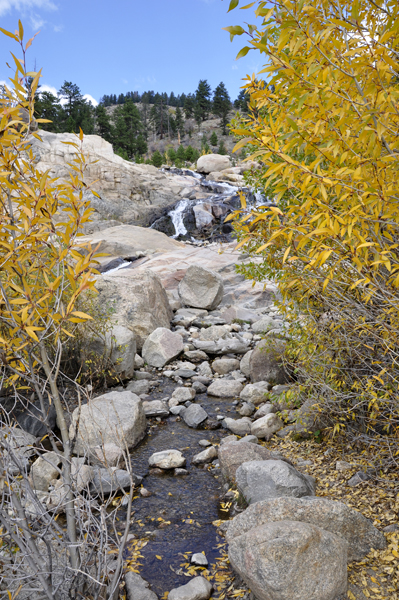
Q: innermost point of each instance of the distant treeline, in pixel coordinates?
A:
(136, 117)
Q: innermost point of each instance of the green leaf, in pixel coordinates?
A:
(243, 52)
(234, 30)
(233, 5)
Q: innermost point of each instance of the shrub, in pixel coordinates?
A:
(156, 159)
(325, 130)
(213, 139)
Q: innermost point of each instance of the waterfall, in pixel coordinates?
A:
(177, 217)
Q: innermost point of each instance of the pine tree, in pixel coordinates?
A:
(172, 155)
(103, 124)
(242, 101)
(189, 105)
(129, 129)
(222, 148)
(77, 112)
(214, 139)
(159, 116)
(47, 106)
(189, 154)
(157, 159)
(221, 105)
(202, 100)
(179, 120)
(181, 153)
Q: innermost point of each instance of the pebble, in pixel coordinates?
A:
(199, 559)
(180, 472)
(145, 493)
(205, 443)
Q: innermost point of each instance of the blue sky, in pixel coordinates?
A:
(124, 45)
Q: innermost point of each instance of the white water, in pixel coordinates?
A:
(177, 217)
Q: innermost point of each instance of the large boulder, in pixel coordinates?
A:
(16, 447)
(330, 515)
(290, 560)
(114, 418)
(225, 365)
(127, 192)
(265, 363)
(227, 345)
(137, 588)
(201, 288)
(255, 392)
(203, 215)
(118, 345)
(238, 426)
(161, 347)
(136, 300)
(112, 479)
(233, 454)
(194, 415)
(259, 480)
(212, 162)
(44, 469)
(266, 426)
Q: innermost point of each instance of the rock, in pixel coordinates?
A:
(111, 480)
(265, 362)
(118, 345)
(205, 370)
(309, 419)
(109, 455)
(137, 299)
(236, 313)
(196, 356)
(199, 559)
(185, 373)
(167, 459)
(138, 387)
(206, 456)
(265, 409)
(183, 394)
(252, 439)
(29, 416)
(228, 439)
(138, 361)
(238, 426)
(232, 454)
(259, 480)
(198, 588)
(114, 418)
(199, 387)
(137, 588)
(213, 333)
(228, 345)
(327, 514)
(180, 472)
(203, 216)
(266, 426)
(205, 443)
(212, 162)
(161, 347)
(177, 410)
(128, 192)
(244, 364)
(20, 446)
(156, 408)
(224, 388)
(225, 365)
(201, 288)
(81, 474)
(144, 493)
(291, 560)
(44, 469)
(266, 324)
(359, 477)
(247, 409)
(255, 392)
(343, 465)
(194, 415)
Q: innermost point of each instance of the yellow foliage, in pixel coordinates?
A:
(41, 276)
(325, 129)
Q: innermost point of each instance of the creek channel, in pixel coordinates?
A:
(177, 518)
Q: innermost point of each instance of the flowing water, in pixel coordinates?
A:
(177, 518)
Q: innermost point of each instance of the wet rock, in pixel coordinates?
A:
(232, 454)
(225, 365)
(259, 480)
(114, 418)
(206, 456)
(244, 363)
(238, 426)
(291, 560)
(247, 409)
(205, 443)
(255, 392)
(108, 481)
(137, 588)
(201, 288)
(167, 459)
(183, 394)
(198, 588)
(203, 216)
(44, 469)
(212, 162)
(139, 387)
(144, 493)
(266, 426)
(327, 514)
(223, 388)
(180, 472)
(199, 387)
(156, 408)
(199, 559)
(228, 345)
(161, 347)
(194, 415)
(266, 362)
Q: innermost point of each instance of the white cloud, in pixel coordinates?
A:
(58, 28)
(7, 5)
(48, 88)
(90, 98)
(37, 21)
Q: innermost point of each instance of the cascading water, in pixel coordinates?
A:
(176, 216)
